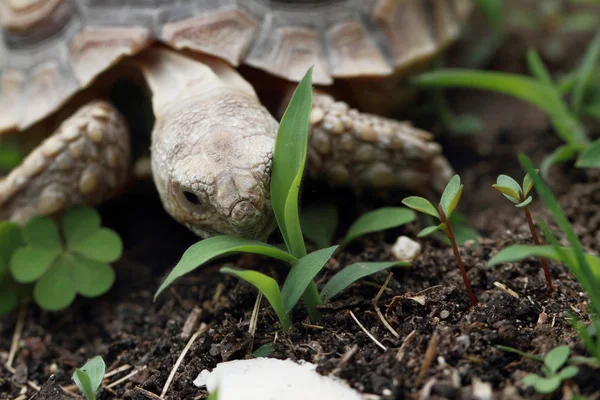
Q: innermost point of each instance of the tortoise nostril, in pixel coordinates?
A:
(191, 197)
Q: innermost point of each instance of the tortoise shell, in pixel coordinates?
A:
(51, 49)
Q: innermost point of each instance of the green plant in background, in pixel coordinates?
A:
(585, 267)
(553, 370)
(288, 167)
(541, 91)
(57, 269)
(446, 206)
(520, 196)
(89, 377)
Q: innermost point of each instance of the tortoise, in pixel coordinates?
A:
(204, 64)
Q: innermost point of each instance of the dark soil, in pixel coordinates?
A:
(441, 349)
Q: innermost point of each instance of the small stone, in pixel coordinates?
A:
(481, 390)
(444, 314)
(405, 249)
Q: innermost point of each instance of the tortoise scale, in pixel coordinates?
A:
(213, 139)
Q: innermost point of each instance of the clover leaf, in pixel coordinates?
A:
(61, 269)
(10, 239)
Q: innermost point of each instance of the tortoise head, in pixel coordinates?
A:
(211, 162)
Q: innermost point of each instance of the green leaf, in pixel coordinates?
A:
(379, 220)
(556, 358)
(462, 230)
(95, 369)
(568, 372)
(547, 385)
(289, 158)
(301, 274)
(319, 222)
(538, 69)
(451, 195)
(585, 73)
(9, 294)
(56, 290)
(42, 233)
(509, 193)
(78, 224)
(528, 184)
(28, 264)
(10, 240)
(263, 351)
(268, 287)
(525, 202)
(92, 278)
(102, 245)
(422, 205)
(590, 157)
(219, 246)
(507, 181)
(561, 154)
(352, 273)
(530, 379)
(83, 382)
(429, 230)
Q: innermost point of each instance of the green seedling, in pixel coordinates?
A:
(59, 261)
(585, 267)
(553, 370)
(520, 196)
(89, 377)
(446, 206)
(541, 91)
(288, 167)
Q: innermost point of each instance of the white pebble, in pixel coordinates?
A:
(405, 249)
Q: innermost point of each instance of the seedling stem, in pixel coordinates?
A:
(537, 242)
(450, 234)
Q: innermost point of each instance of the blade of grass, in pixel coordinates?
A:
(585, 73)
(289, 158)
(302, 273)
(590, 157)
(319, 223)
(521, 87)
(350, 274)
(219, 246)
(268, 287)
(379, 220)
(538, 69)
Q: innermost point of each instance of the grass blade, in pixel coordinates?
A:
(378, 220)
(538, 69)
(347, 276)
(585, 73)
(590, 157)
(302, 274)
(521, 87)
(219, 246)
(289, 158)
(268, 287)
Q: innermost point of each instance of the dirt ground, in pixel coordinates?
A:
(440, 348)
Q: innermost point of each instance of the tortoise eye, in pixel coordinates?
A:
(191, 197)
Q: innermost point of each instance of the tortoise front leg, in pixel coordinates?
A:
(83, 162)
(360, 150)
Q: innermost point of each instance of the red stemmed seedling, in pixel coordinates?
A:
(447, 204)
(519, 195)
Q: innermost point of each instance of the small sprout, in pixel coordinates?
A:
(89, 377)
(553, 362)
(446, 206)
(520, 196)
(60, 269)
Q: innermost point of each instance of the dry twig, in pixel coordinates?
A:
(367, 332)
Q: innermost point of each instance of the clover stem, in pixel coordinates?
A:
(452, 239)
(536, 240)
